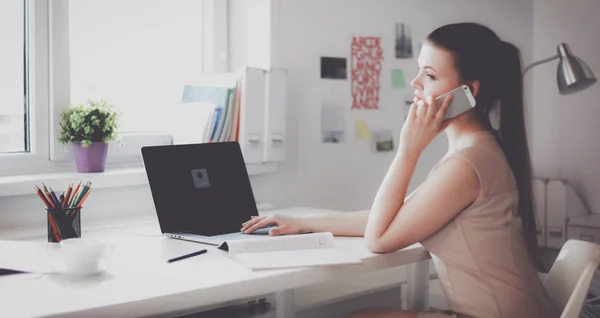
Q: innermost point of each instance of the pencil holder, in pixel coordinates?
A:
(63, 223)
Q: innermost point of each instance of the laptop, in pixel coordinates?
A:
(201, 192)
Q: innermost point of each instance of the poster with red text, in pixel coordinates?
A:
(366, 60)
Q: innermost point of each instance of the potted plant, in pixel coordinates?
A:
(88, 128)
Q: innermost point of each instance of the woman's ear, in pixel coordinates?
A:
(474, 86)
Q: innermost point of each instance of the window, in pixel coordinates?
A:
(14, 103)
(24, 87)
(137, 54)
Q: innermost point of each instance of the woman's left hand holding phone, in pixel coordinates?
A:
(423, 123)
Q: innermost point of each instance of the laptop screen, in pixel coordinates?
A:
(199, 188)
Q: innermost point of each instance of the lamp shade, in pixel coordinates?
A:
(572, 75)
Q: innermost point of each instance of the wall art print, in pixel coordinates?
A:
(366, 63)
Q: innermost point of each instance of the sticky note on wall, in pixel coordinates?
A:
(362, 130)
(398, 79)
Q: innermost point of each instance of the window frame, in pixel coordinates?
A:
(38, 87)
(50, 92)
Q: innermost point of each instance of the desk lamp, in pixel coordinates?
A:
(572, 75)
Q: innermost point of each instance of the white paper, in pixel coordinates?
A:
(333, 118)
(332, 124)
(282, 243)
(35, 257)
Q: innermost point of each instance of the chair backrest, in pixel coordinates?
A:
(569, 278)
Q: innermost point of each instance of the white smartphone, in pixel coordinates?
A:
(462, 100)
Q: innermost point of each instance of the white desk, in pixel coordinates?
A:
(139, 282)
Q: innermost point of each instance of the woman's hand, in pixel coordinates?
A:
(284, 224)
(423, 123)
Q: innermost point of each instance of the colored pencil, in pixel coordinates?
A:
(82, 193)
(54, 198)
(67, 195)
(55, 228)
(50, 218)
(70, 204)
(44, 198)
(84, 198)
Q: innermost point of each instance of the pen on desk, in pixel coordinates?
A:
(186, 256)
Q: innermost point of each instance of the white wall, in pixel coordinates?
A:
(565, 129)
(346, 176)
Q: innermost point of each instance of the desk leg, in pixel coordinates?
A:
(418, 286)
(284, 304)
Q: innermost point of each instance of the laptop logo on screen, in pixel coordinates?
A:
(200, 177)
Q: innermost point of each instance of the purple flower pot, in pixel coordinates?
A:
(92, 158)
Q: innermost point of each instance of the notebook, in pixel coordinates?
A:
(289, 251)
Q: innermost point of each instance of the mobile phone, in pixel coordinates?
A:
(462, 100)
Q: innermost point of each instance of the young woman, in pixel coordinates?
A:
(474, 212)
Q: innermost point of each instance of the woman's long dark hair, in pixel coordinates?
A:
(479, 54)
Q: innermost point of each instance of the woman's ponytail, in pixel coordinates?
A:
(513, 137)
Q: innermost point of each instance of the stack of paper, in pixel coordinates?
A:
(315, 249)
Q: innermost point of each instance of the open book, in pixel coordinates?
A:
(314, 249)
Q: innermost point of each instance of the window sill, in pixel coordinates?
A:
(111, 178)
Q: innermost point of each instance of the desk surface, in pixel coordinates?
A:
(139, 282)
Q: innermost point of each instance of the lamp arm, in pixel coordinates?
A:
(552, 58)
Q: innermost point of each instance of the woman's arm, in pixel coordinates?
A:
(340, 224)
(394, 223)
(390, 197)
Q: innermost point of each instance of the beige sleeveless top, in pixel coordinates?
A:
(480, 255)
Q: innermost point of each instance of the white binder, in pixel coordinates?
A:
(275, 115)
(252, 114)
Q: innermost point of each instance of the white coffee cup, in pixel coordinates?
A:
(82, 256)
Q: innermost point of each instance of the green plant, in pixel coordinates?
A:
(94, 121)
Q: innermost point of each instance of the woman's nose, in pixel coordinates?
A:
(415, 83)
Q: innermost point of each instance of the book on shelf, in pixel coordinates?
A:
(211, 125)
(226, 123)
(222, 110)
